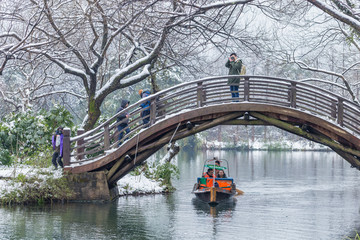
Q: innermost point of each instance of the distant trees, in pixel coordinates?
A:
(348, 13)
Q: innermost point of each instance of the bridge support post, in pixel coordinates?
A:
(66, 147)
(246, 89)
(292, 95)
(152, 111)
(106, 137)
(200, 94)
(333, 108)
(80, 142)
(340, 112)
(91, 186)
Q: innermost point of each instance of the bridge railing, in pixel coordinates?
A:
(91, 145)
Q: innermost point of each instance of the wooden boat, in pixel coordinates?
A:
(214, 190)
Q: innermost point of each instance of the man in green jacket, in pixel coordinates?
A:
(234, 64)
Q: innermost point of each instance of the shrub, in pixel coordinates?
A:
(5, 157)
(165, 172)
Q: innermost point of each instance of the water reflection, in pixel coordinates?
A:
(222, 209)
(299, 195)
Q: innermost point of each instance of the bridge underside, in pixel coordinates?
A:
(132, 153)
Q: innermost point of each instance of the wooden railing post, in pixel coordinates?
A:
(333, 108)
(80, 142)
(200, 94)
(246, 89)
(340, 112)
(152, 111)
(66, 146)
(106, 137)
(293, 95)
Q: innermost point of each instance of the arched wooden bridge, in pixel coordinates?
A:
(300, 108)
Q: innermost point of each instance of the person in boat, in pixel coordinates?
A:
(221, 174)
(209, 173)
(217, 163)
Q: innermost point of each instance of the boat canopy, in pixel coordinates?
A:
(210, 164)
(216, 167)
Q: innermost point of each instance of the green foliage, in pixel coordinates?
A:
(5, 157)
(165, 172)
(277, 146)
(139, 169)
(189, 142)
(28, 134)
(21, 178)
(57, 117)
(41, 157)
(357, 237)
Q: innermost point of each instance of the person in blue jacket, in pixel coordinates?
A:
(57, 143)
(145, 114)
(124, 119)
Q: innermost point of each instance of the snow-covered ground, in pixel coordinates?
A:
(138, 185)
(302, 145)
(8, 173)
(127, 185)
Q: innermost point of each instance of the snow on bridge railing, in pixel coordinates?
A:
(91, 145)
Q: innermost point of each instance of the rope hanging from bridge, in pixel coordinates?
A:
(136, 149)
(175, 132)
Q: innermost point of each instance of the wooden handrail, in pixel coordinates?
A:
(214, 90)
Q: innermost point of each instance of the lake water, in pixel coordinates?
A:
(288, 195)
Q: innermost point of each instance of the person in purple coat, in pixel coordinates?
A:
(57, 143)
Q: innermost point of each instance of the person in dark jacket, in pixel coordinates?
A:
(57, 143)
(221, 174)
(124, 119)
(234, 64)
(145, 114)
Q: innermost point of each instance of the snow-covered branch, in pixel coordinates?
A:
(350, 19)
(303, 65)
(215, 5)
(63, 39)
(58, 92)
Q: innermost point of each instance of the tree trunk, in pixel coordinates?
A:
(93, 114)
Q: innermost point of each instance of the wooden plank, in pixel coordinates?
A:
(115, 168)
(131, 165)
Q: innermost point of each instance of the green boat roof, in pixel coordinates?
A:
(216, 167)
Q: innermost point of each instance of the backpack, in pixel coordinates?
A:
(243, 70)
(57, 140)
